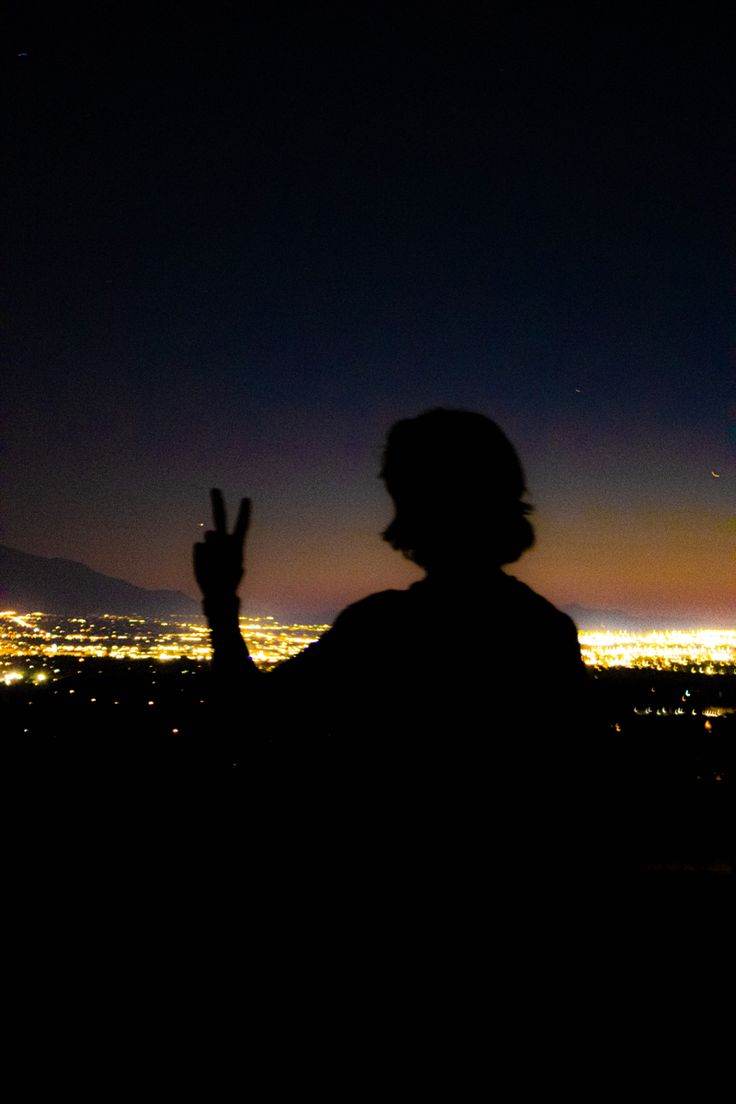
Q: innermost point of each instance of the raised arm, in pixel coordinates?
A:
(218, 569)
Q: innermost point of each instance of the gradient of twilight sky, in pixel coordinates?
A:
(240, 244)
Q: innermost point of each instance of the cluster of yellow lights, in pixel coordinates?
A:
(704, 651)
(110, 637)
(707, 651)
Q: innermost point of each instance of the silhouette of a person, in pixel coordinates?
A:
(429, 772)
(468, 676)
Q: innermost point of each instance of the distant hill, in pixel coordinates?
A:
(29, 583)
(591, 620)
(588, 620)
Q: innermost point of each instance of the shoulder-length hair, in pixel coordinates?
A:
(455, 477)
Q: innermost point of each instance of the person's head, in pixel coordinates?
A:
(457, 485)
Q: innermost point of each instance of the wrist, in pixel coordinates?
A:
(222, 607)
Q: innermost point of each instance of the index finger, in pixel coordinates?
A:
(219, 516)
(241, 525)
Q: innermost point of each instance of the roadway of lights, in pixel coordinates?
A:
(46, 637)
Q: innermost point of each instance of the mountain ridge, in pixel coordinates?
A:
(54, 584)
(68, 587)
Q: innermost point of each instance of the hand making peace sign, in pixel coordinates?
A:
(218, 561)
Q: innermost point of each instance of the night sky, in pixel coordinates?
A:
(240, 242)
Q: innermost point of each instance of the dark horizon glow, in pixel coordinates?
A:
(239, 250)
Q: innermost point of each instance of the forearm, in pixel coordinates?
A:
(234, 682)
(230, 658)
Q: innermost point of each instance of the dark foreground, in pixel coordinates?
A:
(301, 906)
(134, 749)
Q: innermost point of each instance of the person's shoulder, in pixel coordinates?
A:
(359, 627)
(373, 608)
(537, 606)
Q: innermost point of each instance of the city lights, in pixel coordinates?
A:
(48, 637)
(701, 651)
